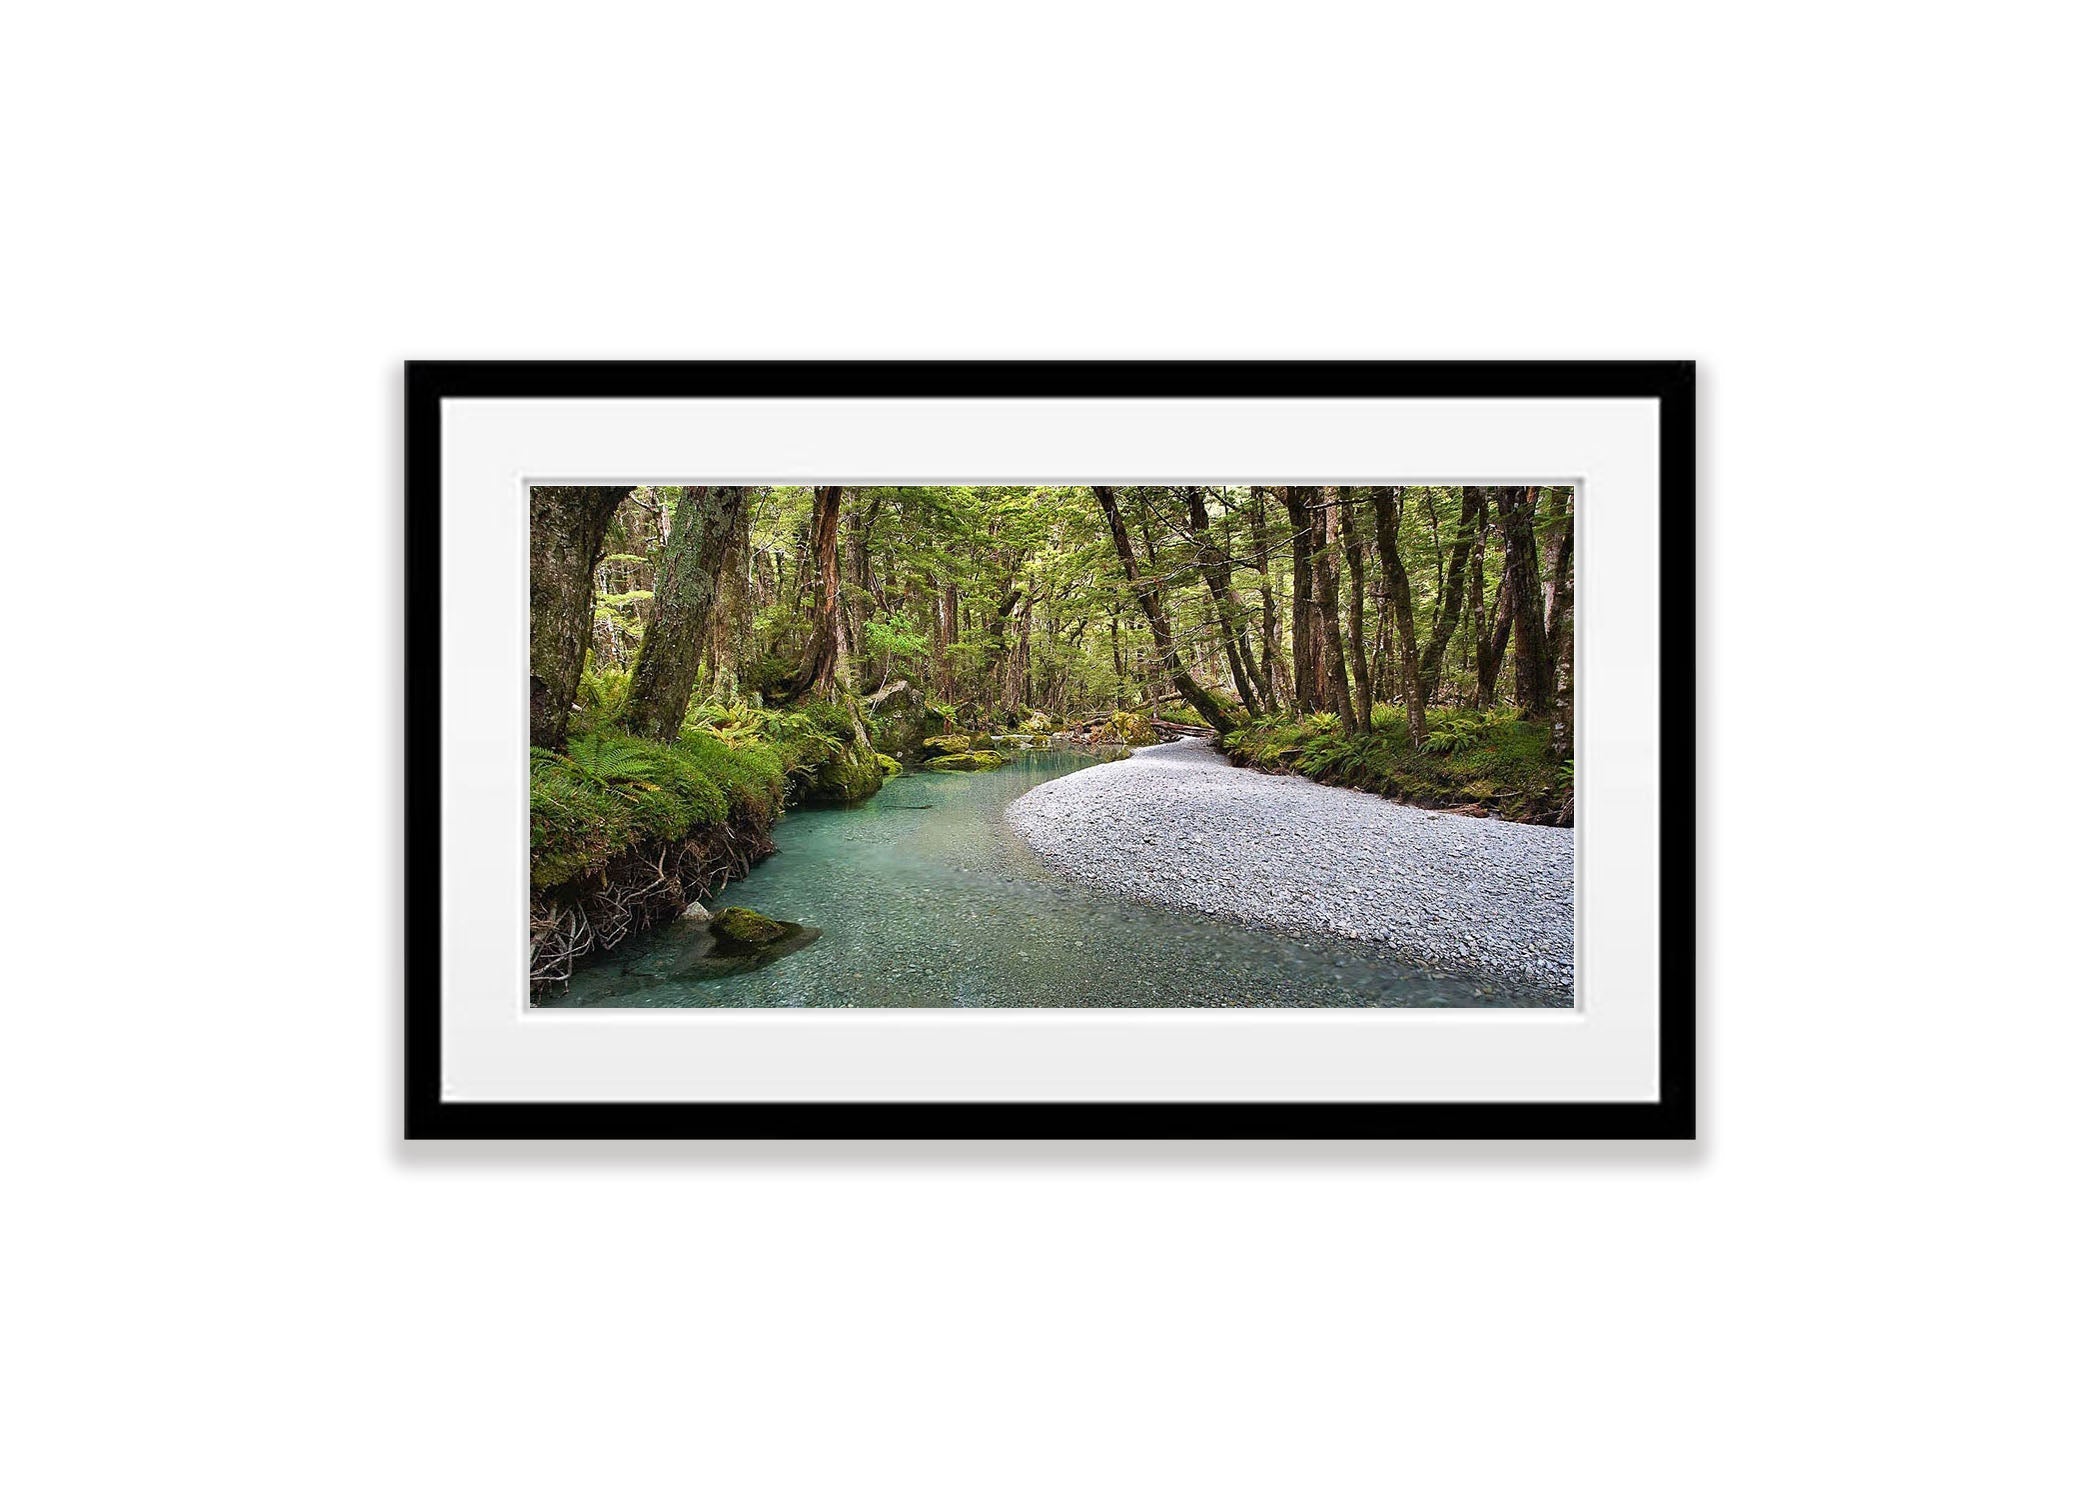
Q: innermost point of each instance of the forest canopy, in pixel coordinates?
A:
(1232, 602)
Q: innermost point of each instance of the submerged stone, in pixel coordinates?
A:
(713, 958)
(739, 926)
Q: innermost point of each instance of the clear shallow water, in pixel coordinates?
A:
(926, 897)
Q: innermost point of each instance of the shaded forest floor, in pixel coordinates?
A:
(1494, 762)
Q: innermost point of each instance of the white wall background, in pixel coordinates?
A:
(228, 224)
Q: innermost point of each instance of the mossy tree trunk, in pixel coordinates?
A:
(1520, 580)
(1560, 591)
(1353, 550)
(568, 536)
(1271, 663)
(683, 619)
(1306, 679)
(1492, 644)
(1385, 516)
(1465, 554)
(732, 591)
(1192, 692)
(821, 658)
(1327, 590)
(1216, 568)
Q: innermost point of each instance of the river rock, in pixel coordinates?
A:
(967, 760)
(738, 928)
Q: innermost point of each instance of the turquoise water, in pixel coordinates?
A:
(924, 896)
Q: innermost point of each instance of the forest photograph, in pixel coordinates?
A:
(1205, 745)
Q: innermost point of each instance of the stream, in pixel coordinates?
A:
(925, 897)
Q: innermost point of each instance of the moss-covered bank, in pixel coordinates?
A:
(1489, 763)
(627, 832)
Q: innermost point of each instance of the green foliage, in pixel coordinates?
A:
(1132, 727)
(605, 761)
(611, 792)
(803, 739)
(1495, 760)
(600, 695)
(893, 637)
(621, 611)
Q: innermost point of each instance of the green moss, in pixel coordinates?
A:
(611, 792)
(1132, 727)
(742, 927)
(1495, 761)
(947, 744)
(967, 760)
(849, 776)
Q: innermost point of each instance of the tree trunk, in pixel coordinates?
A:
(1328, 590)
(1520, 579)
(1560, 593)
(1192, 692)
(855, 607)
(1564, 657)
(679, 626)
(1306, 681)
(1271, 662)
(820, 659)
(1216, 568)
(1493, 642)
(951, 632)
(1385, 506)
(732, 589)
(997, 689)
(568, 534)
(1465, 552)
(1353, 550)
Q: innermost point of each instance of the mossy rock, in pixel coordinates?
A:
(850, 777)
(947, 744)
(967, 760)
(741, 927)
(717, 955)
(981, 742)
(898, 724)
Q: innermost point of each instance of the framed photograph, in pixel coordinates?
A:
(1068, 750)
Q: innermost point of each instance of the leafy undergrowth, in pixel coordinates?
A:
(734, 763)
(1488, 762)
(612, 792)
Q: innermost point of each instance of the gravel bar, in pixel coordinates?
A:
(1178, 825)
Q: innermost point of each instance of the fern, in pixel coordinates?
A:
(600, 693)
(605, 762)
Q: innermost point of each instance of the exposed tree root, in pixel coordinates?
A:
(635, 891)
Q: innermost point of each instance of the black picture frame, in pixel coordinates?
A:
(1670, 1116)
